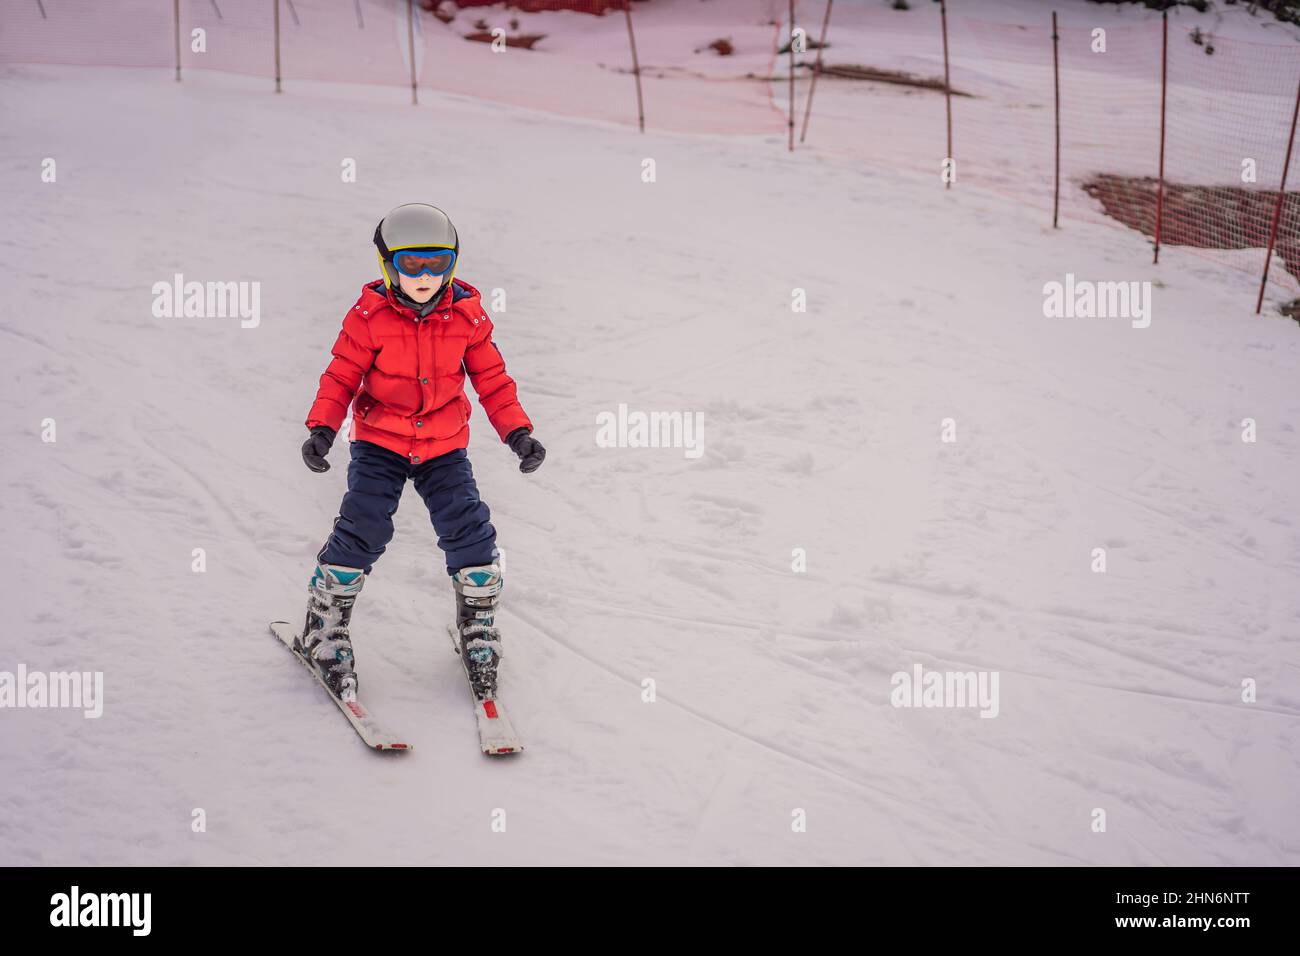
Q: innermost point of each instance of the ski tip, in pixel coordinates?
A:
(385, 747)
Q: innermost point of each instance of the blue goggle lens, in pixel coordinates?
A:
(416, 262)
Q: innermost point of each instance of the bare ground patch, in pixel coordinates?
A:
(872, 74)
(1204, 217)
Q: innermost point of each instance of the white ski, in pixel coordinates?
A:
(496, 735)
(367, 728)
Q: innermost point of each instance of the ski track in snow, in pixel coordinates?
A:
(1118, 691)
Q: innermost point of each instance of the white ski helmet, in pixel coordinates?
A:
(415, 225)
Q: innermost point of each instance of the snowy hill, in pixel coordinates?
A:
(821, 431)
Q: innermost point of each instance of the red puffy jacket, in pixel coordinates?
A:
(407, 374)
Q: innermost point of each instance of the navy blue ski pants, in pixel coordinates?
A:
(376, 479)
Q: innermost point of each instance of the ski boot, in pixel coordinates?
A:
(324, 641)
(478, 592)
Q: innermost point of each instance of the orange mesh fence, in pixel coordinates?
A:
(348, 41)
(1228, 109)
(236, 36)
(86, 34)
(705, 76)
(1109, 112)
(880, 91)
(1229, 106)
(710, 75)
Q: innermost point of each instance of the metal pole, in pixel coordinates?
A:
(636, 66)
(176, 23)
(1160, 185)
(1277, 210)
(1056, 83)
(817, 70)
(361, 23)
(277, 46)
(791, 49)
(41, 4)
(410, 40)
(947, 83)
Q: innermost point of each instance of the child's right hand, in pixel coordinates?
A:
(316, 447)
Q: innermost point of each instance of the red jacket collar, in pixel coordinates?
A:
(379, 294)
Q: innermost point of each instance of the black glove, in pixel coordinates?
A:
(529, 449)
(315, 448)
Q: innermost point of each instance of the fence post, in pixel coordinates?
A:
(817, 70)
(1056, 86)
(176, 27)
(947, 84)
(636, 66)
(410, 43)
(276, 4)
(790, 122)
(1160, 185)
(1277, 209)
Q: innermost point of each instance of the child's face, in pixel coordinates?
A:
(421, 288)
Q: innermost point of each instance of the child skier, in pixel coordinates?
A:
(401, 361)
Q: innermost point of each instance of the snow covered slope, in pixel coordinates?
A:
(1119, 691)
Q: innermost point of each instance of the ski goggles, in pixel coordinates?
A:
(417, 262)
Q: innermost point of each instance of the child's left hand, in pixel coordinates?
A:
(529, 449)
